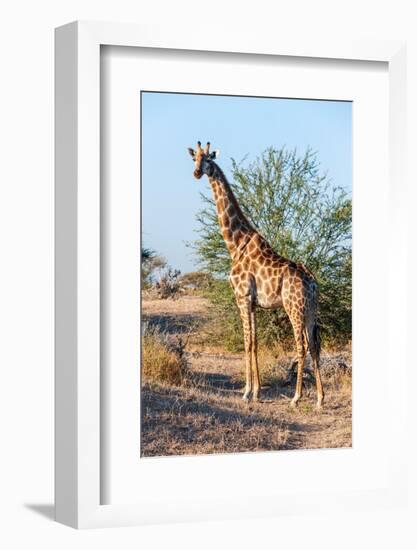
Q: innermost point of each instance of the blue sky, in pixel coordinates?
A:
(238, 126)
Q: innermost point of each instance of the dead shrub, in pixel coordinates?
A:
(162, 361)
(168, 285)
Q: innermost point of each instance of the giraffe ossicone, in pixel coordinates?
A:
(262, 278)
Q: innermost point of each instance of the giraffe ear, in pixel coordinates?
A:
(215, 154)
(191, 151)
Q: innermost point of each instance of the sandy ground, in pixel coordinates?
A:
(207, 414)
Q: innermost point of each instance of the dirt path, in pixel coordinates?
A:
(207, 415)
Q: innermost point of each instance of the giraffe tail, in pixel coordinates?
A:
(317, 340)
(313, 340)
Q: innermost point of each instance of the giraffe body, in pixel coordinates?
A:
(262, 278)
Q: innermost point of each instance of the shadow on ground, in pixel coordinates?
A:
(172, 324)
(45, 510)
(212, 418)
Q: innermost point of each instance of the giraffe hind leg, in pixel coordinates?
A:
(314, 345)
(256, 384)
(301, 353)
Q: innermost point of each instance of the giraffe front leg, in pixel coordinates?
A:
(244, 308)
(255, 370)
(248, 386)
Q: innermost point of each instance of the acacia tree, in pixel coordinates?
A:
(305, 218)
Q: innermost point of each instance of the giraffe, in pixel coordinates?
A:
(261, 278)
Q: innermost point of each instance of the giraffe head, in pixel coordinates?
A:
(203, 160)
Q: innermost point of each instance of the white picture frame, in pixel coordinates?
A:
(78, 410)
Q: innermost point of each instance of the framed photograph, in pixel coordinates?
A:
(224, 315)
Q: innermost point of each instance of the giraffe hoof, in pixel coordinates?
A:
(294, 403)
(246, 396)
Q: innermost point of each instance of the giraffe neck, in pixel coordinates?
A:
(234, 225)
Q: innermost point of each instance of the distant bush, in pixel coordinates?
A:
(195, 281)
(168, 285)
(162, 361)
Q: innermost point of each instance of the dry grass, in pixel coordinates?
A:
(161, 361)
(205, 412)
(196, 421)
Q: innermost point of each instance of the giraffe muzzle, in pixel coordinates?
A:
(198, 174)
